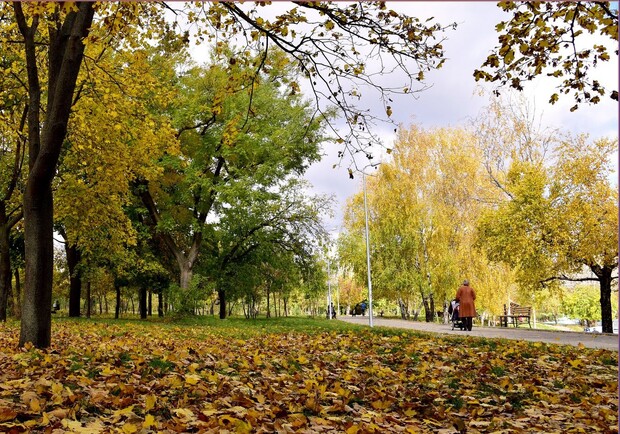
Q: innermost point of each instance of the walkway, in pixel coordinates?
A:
(590, 340)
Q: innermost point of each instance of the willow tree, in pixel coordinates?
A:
(423, 205)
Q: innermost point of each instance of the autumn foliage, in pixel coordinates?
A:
(130, 377)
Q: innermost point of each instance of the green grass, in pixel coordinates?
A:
(238, 327)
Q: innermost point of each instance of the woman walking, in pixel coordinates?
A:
(466, 296)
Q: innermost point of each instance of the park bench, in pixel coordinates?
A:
(517, 313)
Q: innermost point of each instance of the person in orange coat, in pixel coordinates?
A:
(466, 296)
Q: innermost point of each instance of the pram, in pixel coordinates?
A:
(453, 311)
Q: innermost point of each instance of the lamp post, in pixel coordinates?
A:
(367, 253)
(329, 289)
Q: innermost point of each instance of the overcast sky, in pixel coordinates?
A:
(453, 101)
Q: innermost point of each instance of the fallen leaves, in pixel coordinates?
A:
(136, 378)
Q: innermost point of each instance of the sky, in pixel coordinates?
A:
(455, 97)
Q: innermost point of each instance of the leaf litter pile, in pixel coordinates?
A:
(134, 378)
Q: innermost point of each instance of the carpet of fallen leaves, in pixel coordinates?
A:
(102, 377)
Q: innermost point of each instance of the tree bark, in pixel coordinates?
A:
(117, 310)
(5, 264)
(17, 313)
(74, 256)
(143, 302)
(65, 55)
(222, 296)
(604, 275)
(88, 300)
(160, 304)
(150, 309)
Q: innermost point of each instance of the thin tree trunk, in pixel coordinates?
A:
(17, 313)
(117, 311)
(268, 301)
(222, 296)
(74, 258)
(5, 265)
(150, 310)
(88, 300)
(160, 304)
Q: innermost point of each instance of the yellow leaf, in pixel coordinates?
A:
(73, 425)
(35, 405)
(149, 402)
(149, 421)
(353, 429)
(129, 428)
(380, 405)
(192, 379)
(45, 420)
(184, 413)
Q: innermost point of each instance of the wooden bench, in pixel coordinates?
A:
(516, 314)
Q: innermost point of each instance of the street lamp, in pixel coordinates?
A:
(329, 289)
(367, 253)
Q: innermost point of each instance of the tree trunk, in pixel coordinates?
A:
(186, 274)
(45, 140)
(143, 303)
(5, 267)
(89, 301)
(150, 310)
(160, 304)
(404, 311)
(604, 276)
(268, 302)
(17, 313)
(117, 311)
(74, 256)
(36, 323)
(222, 296)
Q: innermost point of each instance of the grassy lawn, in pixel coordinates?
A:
(296, 375)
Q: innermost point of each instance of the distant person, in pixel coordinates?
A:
(466, 297)
(363, 305)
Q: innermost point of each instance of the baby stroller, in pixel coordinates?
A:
(453, 311)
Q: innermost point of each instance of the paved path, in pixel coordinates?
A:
(591, 340)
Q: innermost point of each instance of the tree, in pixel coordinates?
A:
(264, 229)
(13, 109)
(559, 219)
(65, 52)
(423, 206)
(240, 139)
(96, 172)
(64, 28)
(553, 37)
